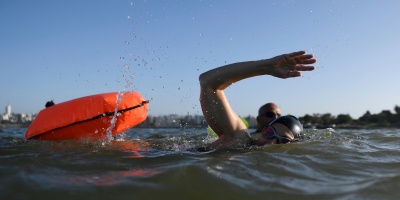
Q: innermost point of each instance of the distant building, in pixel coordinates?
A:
(7, 116)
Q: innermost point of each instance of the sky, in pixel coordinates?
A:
(61, 50)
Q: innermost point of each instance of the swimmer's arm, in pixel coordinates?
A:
(216, 109)
(283, 66)
(221, 77)
(215, 106)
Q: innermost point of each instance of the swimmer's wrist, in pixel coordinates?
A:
(266, 66)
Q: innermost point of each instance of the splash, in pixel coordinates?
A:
(113, 121)
(328, 135)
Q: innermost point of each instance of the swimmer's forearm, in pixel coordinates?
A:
(222, 77)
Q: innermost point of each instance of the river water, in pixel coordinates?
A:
(155, 164)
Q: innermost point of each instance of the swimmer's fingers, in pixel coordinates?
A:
(297, 53)
(304, 68)
(293, 74)
(305, 59)
(297, 71)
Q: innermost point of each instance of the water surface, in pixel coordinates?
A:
(155, 163)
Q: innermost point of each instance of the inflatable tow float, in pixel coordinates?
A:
(89, 117)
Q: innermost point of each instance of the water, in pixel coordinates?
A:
(153, 164)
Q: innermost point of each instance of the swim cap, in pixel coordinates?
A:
(292, 123)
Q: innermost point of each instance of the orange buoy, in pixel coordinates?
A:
(89, 117)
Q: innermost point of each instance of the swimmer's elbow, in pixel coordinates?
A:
(212, 80)
(203, 79)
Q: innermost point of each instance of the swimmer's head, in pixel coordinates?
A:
(291, 123)
(49, 103)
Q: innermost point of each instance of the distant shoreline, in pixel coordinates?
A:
(14, 125)
(359, 127)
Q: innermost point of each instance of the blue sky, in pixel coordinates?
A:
(61, 50)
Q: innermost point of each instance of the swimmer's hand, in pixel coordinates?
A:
(291, 65)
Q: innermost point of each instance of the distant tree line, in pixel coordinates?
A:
(383, 119)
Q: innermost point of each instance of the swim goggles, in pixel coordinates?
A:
(269, 132)
(271, 114)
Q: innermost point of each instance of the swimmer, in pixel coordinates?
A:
(219, 115)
